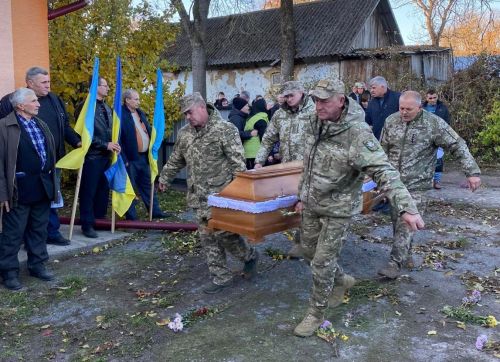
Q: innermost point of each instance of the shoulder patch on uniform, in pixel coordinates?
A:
(371, 145)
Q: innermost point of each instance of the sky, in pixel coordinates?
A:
(409, 21)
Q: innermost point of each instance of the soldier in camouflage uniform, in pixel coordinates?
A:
(287, 126)
(410, 138)
(340, 149)
(211, 150)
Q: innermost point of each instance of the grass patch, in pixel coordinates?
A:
(181, 242)
(70, 286)
(460, 243)
(142, 320)
(463, 314)
(17, 305)
(369, 289)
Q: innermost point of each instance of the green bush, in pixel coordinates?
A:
(490, 135)
(470, 94)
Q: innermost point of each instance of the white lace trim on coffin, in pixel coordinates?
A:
(257, 207)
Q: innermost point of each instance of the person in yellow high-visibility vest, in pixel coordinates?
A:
(257, 120)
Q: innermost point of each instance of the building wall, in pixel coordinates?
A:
(24, 40)
(372, 34)
(7, 54)
(253, 79)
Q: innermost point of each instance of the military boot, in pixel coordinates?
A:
(309, 324)
(342, 285)
(296, 252)
(391, 270)
(250, 268)
(213, 288)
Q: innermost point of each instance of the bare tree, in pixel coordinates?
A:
(196, 31)
(194, 23)
(438, 14)
(287, 40)
(474, 35)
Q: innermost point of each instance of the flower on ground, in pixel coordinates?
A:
(326, 324)
(491, 321)
(438, 265)
(473, 298)
(176, 325)
(481, 341)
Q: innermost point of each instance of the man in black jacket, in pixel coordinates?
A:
(94, 192)
(384, 102)
(53, 112)
(134, 139)
(27, 186)
(434, 105)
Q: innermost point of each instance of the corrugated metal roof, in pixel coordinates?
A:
(322, 28)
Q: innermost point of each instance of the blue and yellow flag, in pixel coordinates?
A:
(122, 191)
(84, 126)
(158, 128)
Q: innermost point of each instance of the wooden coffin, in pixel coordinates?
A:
(267, 183)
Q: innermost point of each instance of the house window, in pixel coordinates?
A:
(275, 79)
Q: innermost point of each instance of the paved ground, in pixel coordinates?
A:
(79, 242)
(111, 302)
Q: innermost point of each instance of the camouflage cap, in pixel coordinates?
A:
(359, 85)
(326, 88)
(189, 100)
(291, 87)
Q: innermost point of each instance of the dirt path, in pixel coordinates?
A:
(112, 303)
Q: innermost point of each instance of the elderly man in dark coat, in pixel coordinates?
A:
(27, 187)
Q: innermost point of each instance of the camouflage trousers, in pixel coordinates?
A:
(215, 245)
(403, 236)
(322, 238)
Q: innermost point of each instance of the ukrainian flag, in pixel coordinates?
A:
(158, 128)
(122, 191)
(84, 126)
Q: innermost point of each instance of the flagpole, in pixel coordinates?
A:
(113, 221)
(75, 202)
(151, 202)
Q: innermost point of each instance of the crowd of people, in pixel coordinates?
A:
(34, 126)
(393, 138)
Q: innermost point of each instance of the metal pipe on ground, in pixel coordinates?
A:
(103, 224)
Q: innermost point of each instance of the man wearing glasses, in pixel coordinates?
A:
(94, 192)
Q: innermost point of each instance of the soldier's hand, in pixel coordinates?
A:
(414, 221)
(299, 206)
(257, 165)
(474, 182)
(162, 187)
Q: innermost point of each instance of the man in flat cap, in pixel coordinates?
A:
(287, 126)
(357, 91)
(211, 149)
(340, 149)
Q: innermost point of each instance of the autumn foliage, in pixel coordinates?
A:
(137, 31)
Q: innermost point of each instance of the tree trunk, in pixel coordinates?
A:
(287, 40)
(196, 31)
(199, 68)
(198, 44)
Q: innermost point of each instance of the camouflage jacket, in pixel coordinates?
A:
(411, 148)
(337, 154)
(287, 127)
(213, 155)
